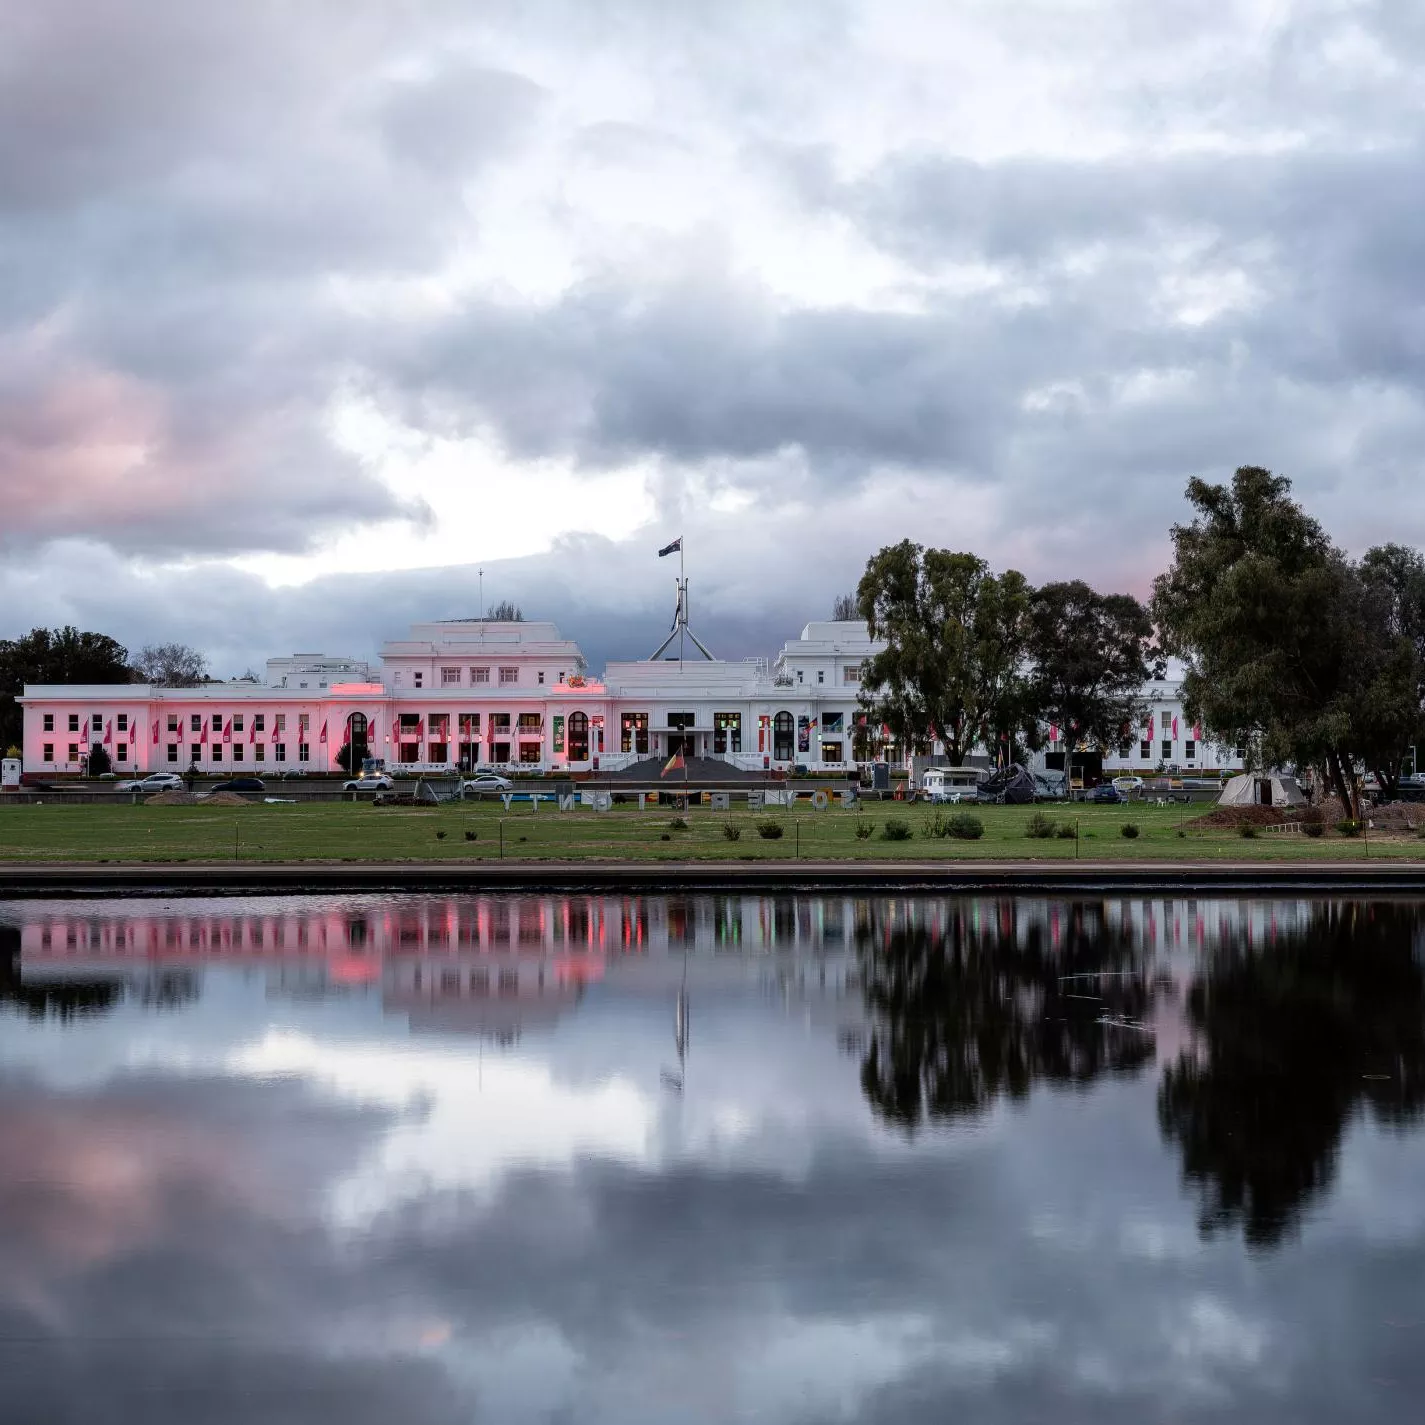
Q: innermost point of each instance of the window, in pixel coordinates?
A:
(217, 722)
(279, 722)
(529, 752)
(217, 752)
(531, 722)
(578, 737)
(304, 721)
(74, 752)
(799, 675)
(682, 720)
(173, 752)
(782, 737)
(123, 751)
(74, 722)
(259, 722)
(418, 679)
(500, 722)
(508, 676)
(1145, 749)
(97, 722)
(123, 722)
(237, 751)
(831, 751)
(49, 752)
(541, 675)
(450, 677)
(1165, 720)
(49, 726)
(820, 675)
(440, 727)
(833, 722)
(196, 722)
(479, 675)
(1189, 749)
(410, 752)
(303, 685)
(397, 678)
(633, 732)
(279, 751)
(237, 722)
(436, 752)
(727, 732)
(195, 751)
(304, 752)
(851, 673)
(1125, 750)
(173, 722)
(1240, 753)
(1167, 747)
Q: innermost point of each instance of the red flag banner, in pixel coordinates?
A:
(323, 737)
(108, 732)
(1175, 727)
(228, 730)
(155, 732)
(203, 735)
(252, 730)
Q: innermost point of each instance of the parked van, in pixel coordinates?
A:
(952, 784)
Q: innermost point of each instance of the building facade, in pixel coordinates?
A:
(467, 695)
(479, 693)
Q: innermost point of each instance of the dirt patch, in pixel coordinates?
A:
(187, 799)
(1229, 818)
(1406, 817)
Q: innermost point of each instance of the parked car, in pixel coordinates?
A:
(292, 772)
(378, 783)
(154, 782)
(240, 784)
(1106, 792)
(1129, 786)
(485, 782)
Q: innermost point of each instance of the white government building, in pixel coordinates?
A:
(475, 693)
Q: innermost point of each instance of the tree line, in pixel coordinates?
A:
(1291, 649)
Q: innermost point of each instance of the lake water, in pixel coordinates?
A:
(723, 1159)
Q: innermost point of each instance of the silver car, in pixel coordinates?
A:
(369, 784)
(485, 782)
(154, 782)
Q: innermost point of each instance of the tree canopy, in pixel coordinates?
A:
(955, 642)
(170, 665)
(61, 655)
(506, 612)
(843, 608)
(1289, 647)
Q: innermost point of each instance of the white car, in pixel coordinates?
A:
(154, 782)
(486, 782)
(369, 784)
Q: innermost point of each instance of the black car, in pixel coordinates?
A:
(241, 784)
(1105, 792)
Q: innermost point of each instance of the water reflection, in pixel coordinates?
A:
(647, 1159)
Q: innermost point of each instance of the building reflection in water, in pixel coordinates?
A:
(1268, 1025)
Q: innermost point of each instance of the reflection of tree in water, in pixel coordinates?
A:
(1295, 1036)
(971, 1001)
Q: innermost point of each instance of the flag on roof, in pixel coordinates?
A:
(675, 763)
(675, 548)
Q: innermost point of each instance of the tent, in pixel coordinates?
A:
(1013, 784)
(1266, 789)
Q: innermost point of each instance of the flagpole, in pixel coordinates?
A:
(682, 604)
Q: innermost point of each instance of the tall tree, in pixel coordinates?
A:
(170, 665)
(506, 612)
(1090, 654)
(1394, 579)
(843, 608)
(1289, 647)
(62, 655)
(955, 641)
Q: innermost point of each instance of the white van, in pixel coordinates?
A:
(952, 784)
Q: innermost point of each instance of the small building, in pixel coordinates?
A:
(1267, 789)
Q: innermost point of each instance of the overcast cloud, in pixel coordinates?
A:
(305, 315)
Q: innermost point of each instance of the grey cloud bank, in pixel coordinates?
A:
(990, 277)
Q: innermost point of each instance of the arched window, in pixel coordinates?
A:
(356, 726)
(782, 737)
(578, 737)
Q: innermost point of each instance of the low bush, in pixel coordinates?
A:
(864, 828)
(895, 830)
(677, 824)
(731, 831)
(1348, 827)
(1129, 831)
(1068, 832)
(770, 829)
(1039, 827)
(1246, 830)
(440, 836)
(964, 826)
(472, 835)
(1312, 828)
(1312, 816)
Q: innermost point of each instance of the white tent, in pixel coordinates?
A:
(1267, 789)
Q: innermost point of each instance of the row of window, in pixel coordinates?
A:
(453, 677)
(121, 722)
(196, 751)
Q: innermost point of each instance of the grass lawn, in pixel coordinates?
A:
(342, 831)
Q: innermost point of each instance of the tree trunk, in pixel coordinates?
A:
(1338, 781)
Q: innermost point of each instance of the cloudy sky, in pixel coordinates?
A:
(308, 311)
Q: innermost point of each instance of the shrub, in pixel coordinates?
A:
(1068, 832)
(1129, 831)
(895, 830)
(440, 836)
(472, 835)
(770, 829)
(665, 837)
(864, 827)
(1348, 827)
(964, 826)
(1246, 830)
(1312, 816)
(731, 831)
(677, 824)
(1312, 828)
(1039, 827)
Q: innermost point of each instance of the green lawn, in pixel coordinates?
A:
(341, 831)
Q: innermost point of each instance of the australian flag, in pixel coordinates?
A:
(673, 548)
